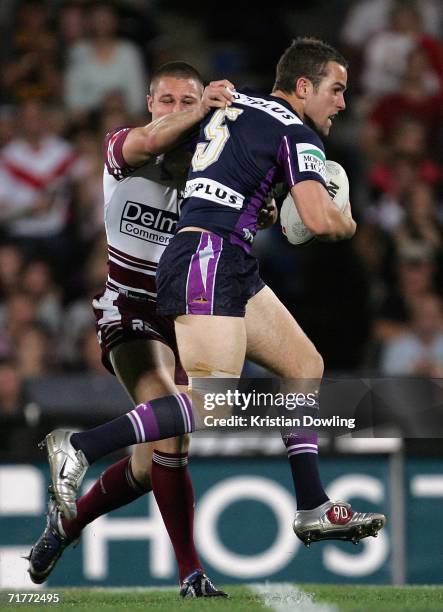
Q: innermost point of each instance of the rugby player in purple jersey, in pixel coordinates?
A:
(208, 281)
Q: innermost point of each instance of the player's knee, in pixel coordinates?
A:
(309, 364)
(185, 441)
(155, 383)
(313, 365)
(180, 444)
(141, 469)
(317, 365)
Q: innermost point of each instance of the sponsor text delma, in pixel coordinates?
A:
(148, 223)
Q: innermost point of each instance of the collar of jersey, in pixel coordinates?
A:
(249, 91)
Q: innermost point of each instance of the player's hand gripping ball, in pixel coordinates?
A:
(337, 185)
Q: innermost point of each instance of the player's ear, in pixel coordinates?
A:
(149, 102)
(302, 87)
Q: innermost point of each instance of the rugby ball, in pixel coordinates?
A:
(337, 185)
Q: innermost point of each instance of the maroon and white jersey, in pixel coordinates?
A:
(141, 214)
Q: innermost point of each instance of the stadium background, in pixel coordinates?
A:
(372, 306)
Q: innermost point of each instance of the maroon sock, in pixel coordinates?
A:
(116, 487)
(172, 487)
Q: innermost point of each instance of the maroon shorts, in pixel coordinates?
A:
(122, 319)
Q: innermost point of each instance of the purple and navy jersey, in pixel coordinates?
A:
(244, 151)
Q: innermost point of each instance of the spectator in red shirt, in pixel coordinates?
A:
(420, 98)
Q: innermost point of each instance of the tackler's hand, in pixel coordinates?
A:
(218, 94)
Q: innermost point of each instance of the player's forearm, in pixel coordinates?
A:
(159, 136)
(320, 215)
(338, 227)
(170, 130)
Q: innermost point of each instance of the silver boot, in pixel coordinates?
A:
(335, 520)
(68, 468)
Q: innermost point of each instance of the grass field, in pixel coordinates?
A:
(278, 597)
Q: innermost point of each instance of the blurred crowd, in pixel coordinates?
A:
(73, 70)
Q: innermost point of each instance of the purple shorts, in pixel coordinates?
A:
(202, 273)
(122, 319)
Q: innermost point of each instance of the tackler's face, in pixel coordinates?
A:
(171, 95)
(324, 103)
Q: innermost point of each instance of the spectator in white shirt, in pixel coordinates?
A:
(36, 189)
(418, 352)
(102, 65)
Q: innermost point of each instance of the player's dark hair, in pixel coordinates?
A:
(306, 57)
(178, 70)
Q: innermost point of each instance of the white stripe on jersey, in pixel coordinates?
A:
(128, 267)
(135, 289)
(111, 158)
(126, 257)
(289, 159)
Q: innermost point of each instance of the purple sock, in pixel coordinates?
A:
(303, 458)
(166, 417)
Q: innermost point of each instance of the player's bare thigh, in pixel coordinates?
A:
(210, 343)
(276, 341)
(146, 368)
